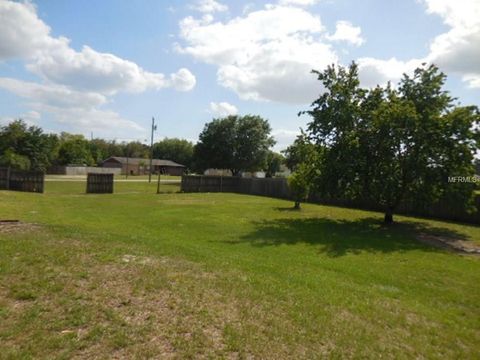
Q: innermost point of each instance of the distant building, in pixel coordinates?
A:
(225, 172)
(81, 170)
(139, 166)
(218, 172)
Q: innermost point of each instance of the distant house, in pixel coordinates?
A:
(139, 166)
(217, 172)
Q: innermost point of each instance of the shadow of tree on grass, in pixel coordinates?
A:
(340, 237)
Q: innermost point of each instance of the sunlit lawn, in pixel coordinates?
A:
(136, 274)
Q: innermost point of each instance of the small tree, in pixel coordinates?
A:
(300, 183)
(298, 152)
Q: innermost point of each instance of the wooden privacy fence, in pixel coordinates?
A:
(210, 183)
(99, 183)
(273, 187)
(19, 180)
(278, 188)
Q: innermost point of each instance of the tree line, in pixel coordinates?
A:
(236, 143)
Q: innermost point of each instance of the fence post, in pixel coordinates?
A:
(8, 178)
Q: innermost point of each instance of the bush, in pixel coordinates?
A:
(299, 183)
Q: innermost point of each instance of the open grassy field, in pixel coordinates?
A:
(135, 274)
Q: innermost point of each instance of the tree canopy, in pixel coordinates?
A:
(301, 151)
(74, 150)
(389, 145)
(237, 143)
(26, 147)
(273, 163)
(174, 149)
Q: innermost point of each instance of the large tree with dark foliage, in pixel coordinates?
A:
(237, 143)
(74, 150)
(391, 145)
(26, 147)
(178, 150)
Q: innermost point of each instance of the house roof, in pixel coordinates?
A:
(136, 161)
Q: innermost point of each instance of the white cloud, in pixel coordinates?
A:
(75, 84)
(183, 80)
(56, 95)
(457, 50)
(30, 118)
(454, 51)
(298, 2)
(284, 138)
(345, 31)
(463, 13)
(223, 109)
(22, 33)
(373, 72)
(209, 6)
(90, 70)
(265, 55)
(79, 110)
(104, 123)
(472, 80)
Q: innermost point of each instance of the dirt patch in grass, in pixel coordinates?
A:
(449, 243)
(15, 226)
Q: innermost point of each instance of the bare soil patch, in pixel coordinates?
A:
(16, 226)
(445, 242)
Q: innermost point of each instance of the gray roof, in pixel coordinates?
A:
(136, 161)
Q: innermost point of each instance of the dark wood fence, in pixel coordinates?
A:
(18, 180)
(209, 183)
(278, 188)
(272, 187)
(4, 178)
(442, 210)
(99, 183)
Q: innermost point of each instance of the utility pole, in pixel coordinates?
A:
(154, 127)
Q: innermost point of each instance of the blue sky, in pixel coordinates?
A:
(107, 67)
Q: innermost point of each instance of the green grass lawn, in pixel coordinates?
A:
(135, 274)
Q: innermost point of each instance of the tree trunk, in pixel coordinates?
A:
(388, 220)
(297, 205)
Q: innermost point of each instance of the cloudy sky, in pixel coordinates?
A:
(106, 67)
